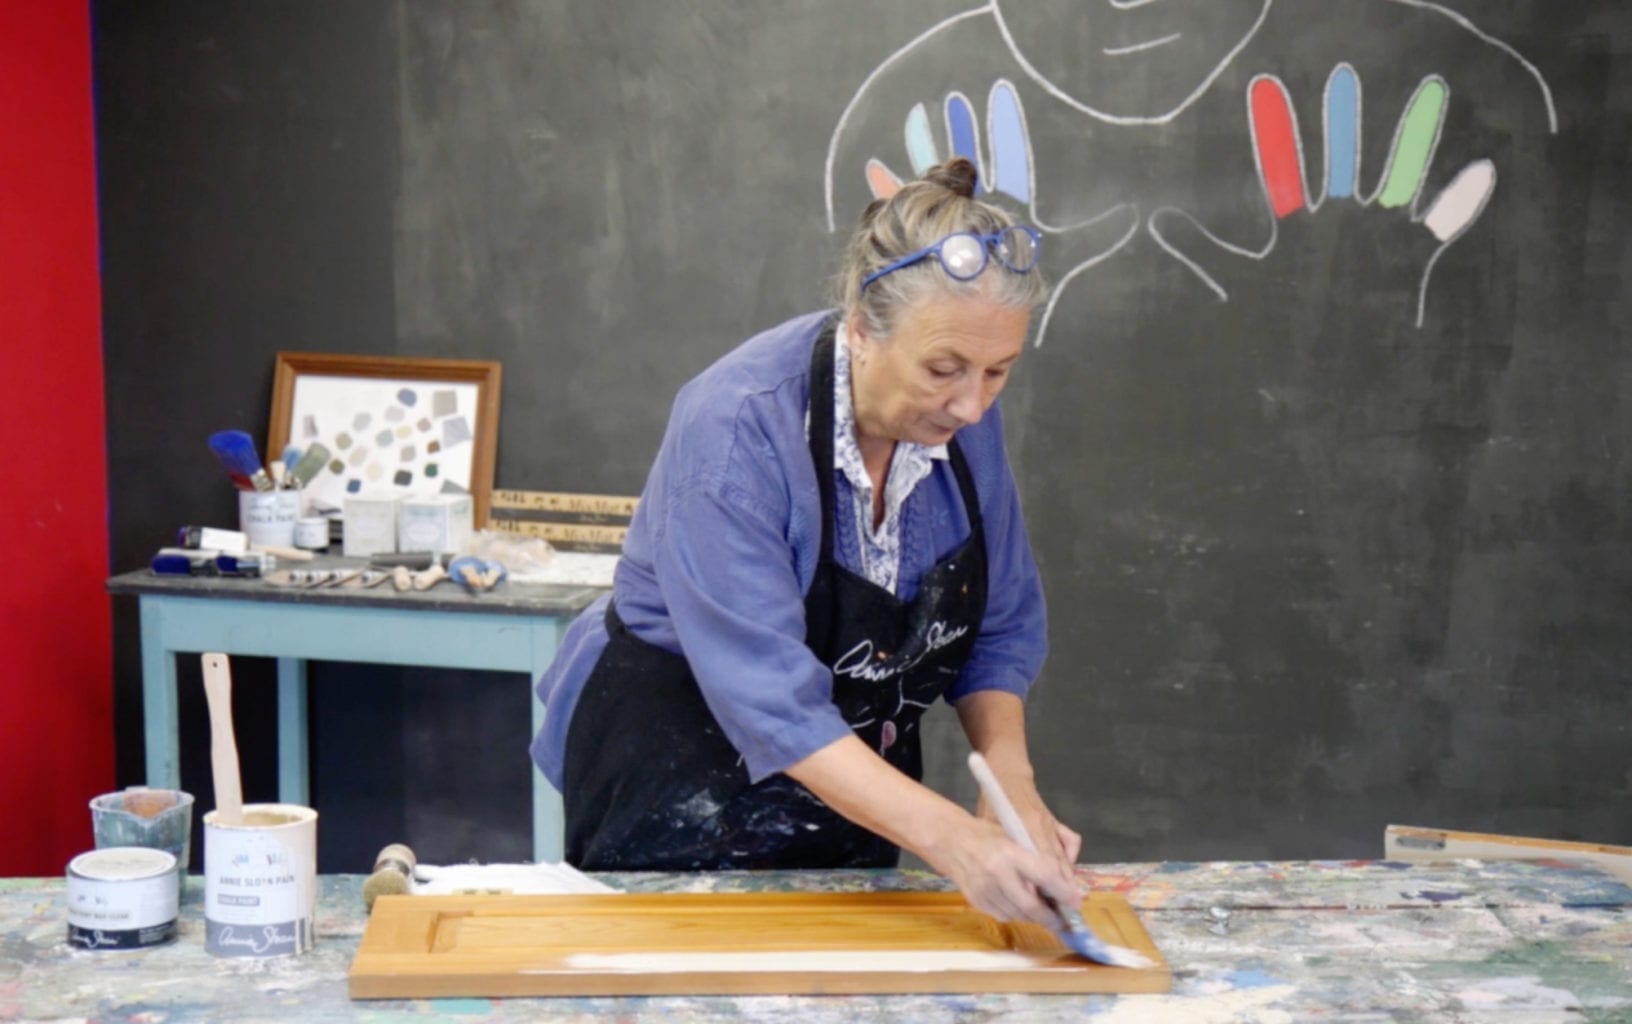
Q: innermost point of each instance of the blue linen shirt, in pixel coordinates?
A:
(724, 546)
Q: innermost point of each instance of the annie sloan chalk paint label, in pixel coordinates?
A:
(122, 897)
(278, 939)
(260, 881)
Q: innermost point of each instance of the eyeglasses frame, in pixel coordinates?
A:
(988, 247)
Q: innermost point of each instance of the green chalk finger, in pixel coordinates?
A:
(1414, 143)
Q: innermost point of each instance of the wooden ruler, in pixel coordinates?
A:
(574, 522)
(559, 501)
(1422, 845)
(564, 534)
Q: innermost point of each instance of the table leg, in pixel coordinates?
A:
(293, 774)
(549, 817)
(159, 716)
(549, 820)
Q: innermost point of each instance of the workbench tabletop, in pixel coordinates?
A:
(1249, 943)
(509, 597)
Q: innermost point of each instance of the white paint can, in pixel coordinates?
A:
(122, 897)
(260, 881)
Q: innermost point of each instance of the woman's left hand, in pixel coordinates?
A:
(1052, 837)
(995, 723)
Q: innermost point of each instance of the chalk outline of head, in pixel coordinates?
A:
(1053, 89)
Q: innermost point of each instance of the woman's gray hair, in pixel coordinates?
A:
(922, 213)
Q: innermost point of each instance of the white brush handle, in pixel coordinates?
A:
(992, 790)
(287, 554)
(1009, 818)
(229, 794)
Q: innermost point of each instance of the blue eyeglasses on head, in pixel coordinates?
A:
(963, 255)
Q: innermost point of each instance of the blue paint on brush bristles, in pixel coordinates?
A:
(236, 450)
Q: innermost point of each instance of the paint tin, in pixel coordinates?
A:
(122, 897)
(267, 518)
(160, 819)
(260, 881)
(312, 533)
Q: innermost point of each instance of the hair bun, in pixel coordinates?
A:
(956, 175)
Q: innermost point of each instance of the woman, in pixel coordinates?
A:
(829, 540)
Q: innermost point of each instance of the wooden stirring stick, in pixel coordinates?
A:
(229, 794)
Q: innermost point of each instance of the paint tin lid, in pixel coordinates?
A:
(122, 864)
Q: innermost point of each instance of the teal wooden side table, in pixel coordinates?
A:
(514, 628)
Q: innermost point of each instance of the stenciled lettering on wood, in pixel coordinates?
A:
(564, 533)
(554, 501)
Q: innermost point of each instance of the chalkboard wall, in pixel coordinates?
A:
(1324, 445)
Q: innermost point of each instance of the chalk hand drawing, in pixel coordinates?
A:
(1006, 169)
(1279, 153)
(1142, 78)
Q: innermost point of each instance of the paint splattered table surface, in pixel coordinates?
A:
(509, 597)
(1249, 943)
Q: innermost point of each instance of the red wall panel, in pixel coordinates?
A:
(56, 686)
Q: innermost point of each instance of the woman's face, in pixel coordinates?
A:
(939, 371)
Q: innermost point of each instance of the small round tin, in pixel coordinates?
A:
(312, 533)
(122, 897)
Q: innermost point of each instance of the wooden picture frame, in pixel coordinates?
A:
(393, 424)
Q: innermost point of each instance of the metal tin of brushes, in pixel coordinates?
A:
(122, 897)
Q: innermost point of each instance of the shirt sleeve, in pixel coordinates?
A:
(1013, 641)
(727, 573)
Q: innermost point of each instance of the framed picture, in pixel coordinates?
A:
(392, 425)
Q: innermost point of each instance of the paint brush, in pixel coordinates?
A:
(236, 450)
(312, 460)
(393, 874)
(1076, 934)
(229, 794)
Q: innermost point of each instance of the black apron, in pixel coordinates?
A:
(652, 783)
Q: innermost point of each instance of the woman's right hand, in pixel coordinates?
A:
(1000, 878)
(996, 875)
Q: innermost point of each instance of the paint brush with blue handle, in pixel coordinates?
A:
(1076, 934)
(236, 450)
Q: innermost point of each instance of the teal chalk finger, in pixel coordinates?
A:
(920, 142)
(1414, 142)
